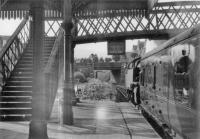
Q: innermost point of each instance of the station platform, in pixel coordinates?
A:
(92, 120)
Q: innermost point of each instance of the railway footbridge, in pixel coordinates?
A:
(41, 50)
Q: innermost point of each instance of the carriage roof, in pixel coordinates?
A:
(175, 40)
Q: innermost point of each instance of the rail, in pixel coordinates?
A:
(52, 72)
(13, 49)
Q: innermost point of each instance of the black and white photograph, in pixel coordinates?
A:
(99, 69)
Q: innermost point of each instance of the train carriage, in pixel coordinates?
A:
(170, 83)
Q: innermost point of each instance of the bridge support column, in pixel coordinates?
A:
(72, 61)
(67, 113)
(38, 124)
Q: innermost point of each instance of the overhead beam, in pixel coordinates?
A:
(116, 4)
(156, 35)
(107, 66)
(14, 5)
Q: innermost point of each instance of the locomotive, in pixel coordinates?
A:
(169, 82)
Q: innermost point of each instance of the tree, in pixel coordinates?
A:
(80, 77)
(94, 58)
(101, 60)
(108, 59)
(86, 72)
(116, 58)
(134, 55)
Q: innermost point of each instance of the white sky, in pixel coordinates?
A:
(84, 50)
(7, 27)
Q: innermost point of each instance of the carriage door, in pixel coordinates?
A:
(162, 90)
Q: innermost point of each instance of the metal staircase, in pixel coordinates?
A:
(15, 99)
(16, 73)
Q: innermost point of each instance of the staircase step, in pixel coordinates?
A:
(19, 83)
(29, 58)
(15, 104)
(17, 88)
(20, 73)
(23, 69)
(27, 54)
(12, 117)
(18, 78)
(24, 65)
(49, 43)
(16, 93)
(46, 48)
(25, 61)
(15, 98)
(5, 111)
(31, 63)
(46, 55)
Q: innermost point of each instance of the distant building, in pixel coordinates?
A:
(137, 50)
(152, 44)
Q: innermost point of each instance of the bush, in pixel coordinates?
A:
(80, 77)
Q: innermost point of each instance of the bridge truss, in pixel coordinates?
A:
(163, 21)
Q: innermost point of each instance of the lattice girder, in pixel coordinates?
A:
(2, 3)
(52, 27)
(163, 20)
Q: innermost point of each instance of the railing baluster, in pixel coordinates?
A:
(52, 72)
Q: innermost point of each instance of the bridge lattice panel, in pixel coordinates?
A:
(52, 27)
(2, 3)
(165, 17)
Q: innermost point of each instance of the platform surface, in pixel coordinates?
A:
(92, 120)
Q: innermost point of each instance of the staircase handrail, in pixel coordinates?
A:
(13, 36)
(52, 73)
(54, 52)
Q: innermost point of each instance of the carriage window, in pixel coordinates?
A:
(142, 77)
(136, 72)
(154, 78)
(182, 66)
